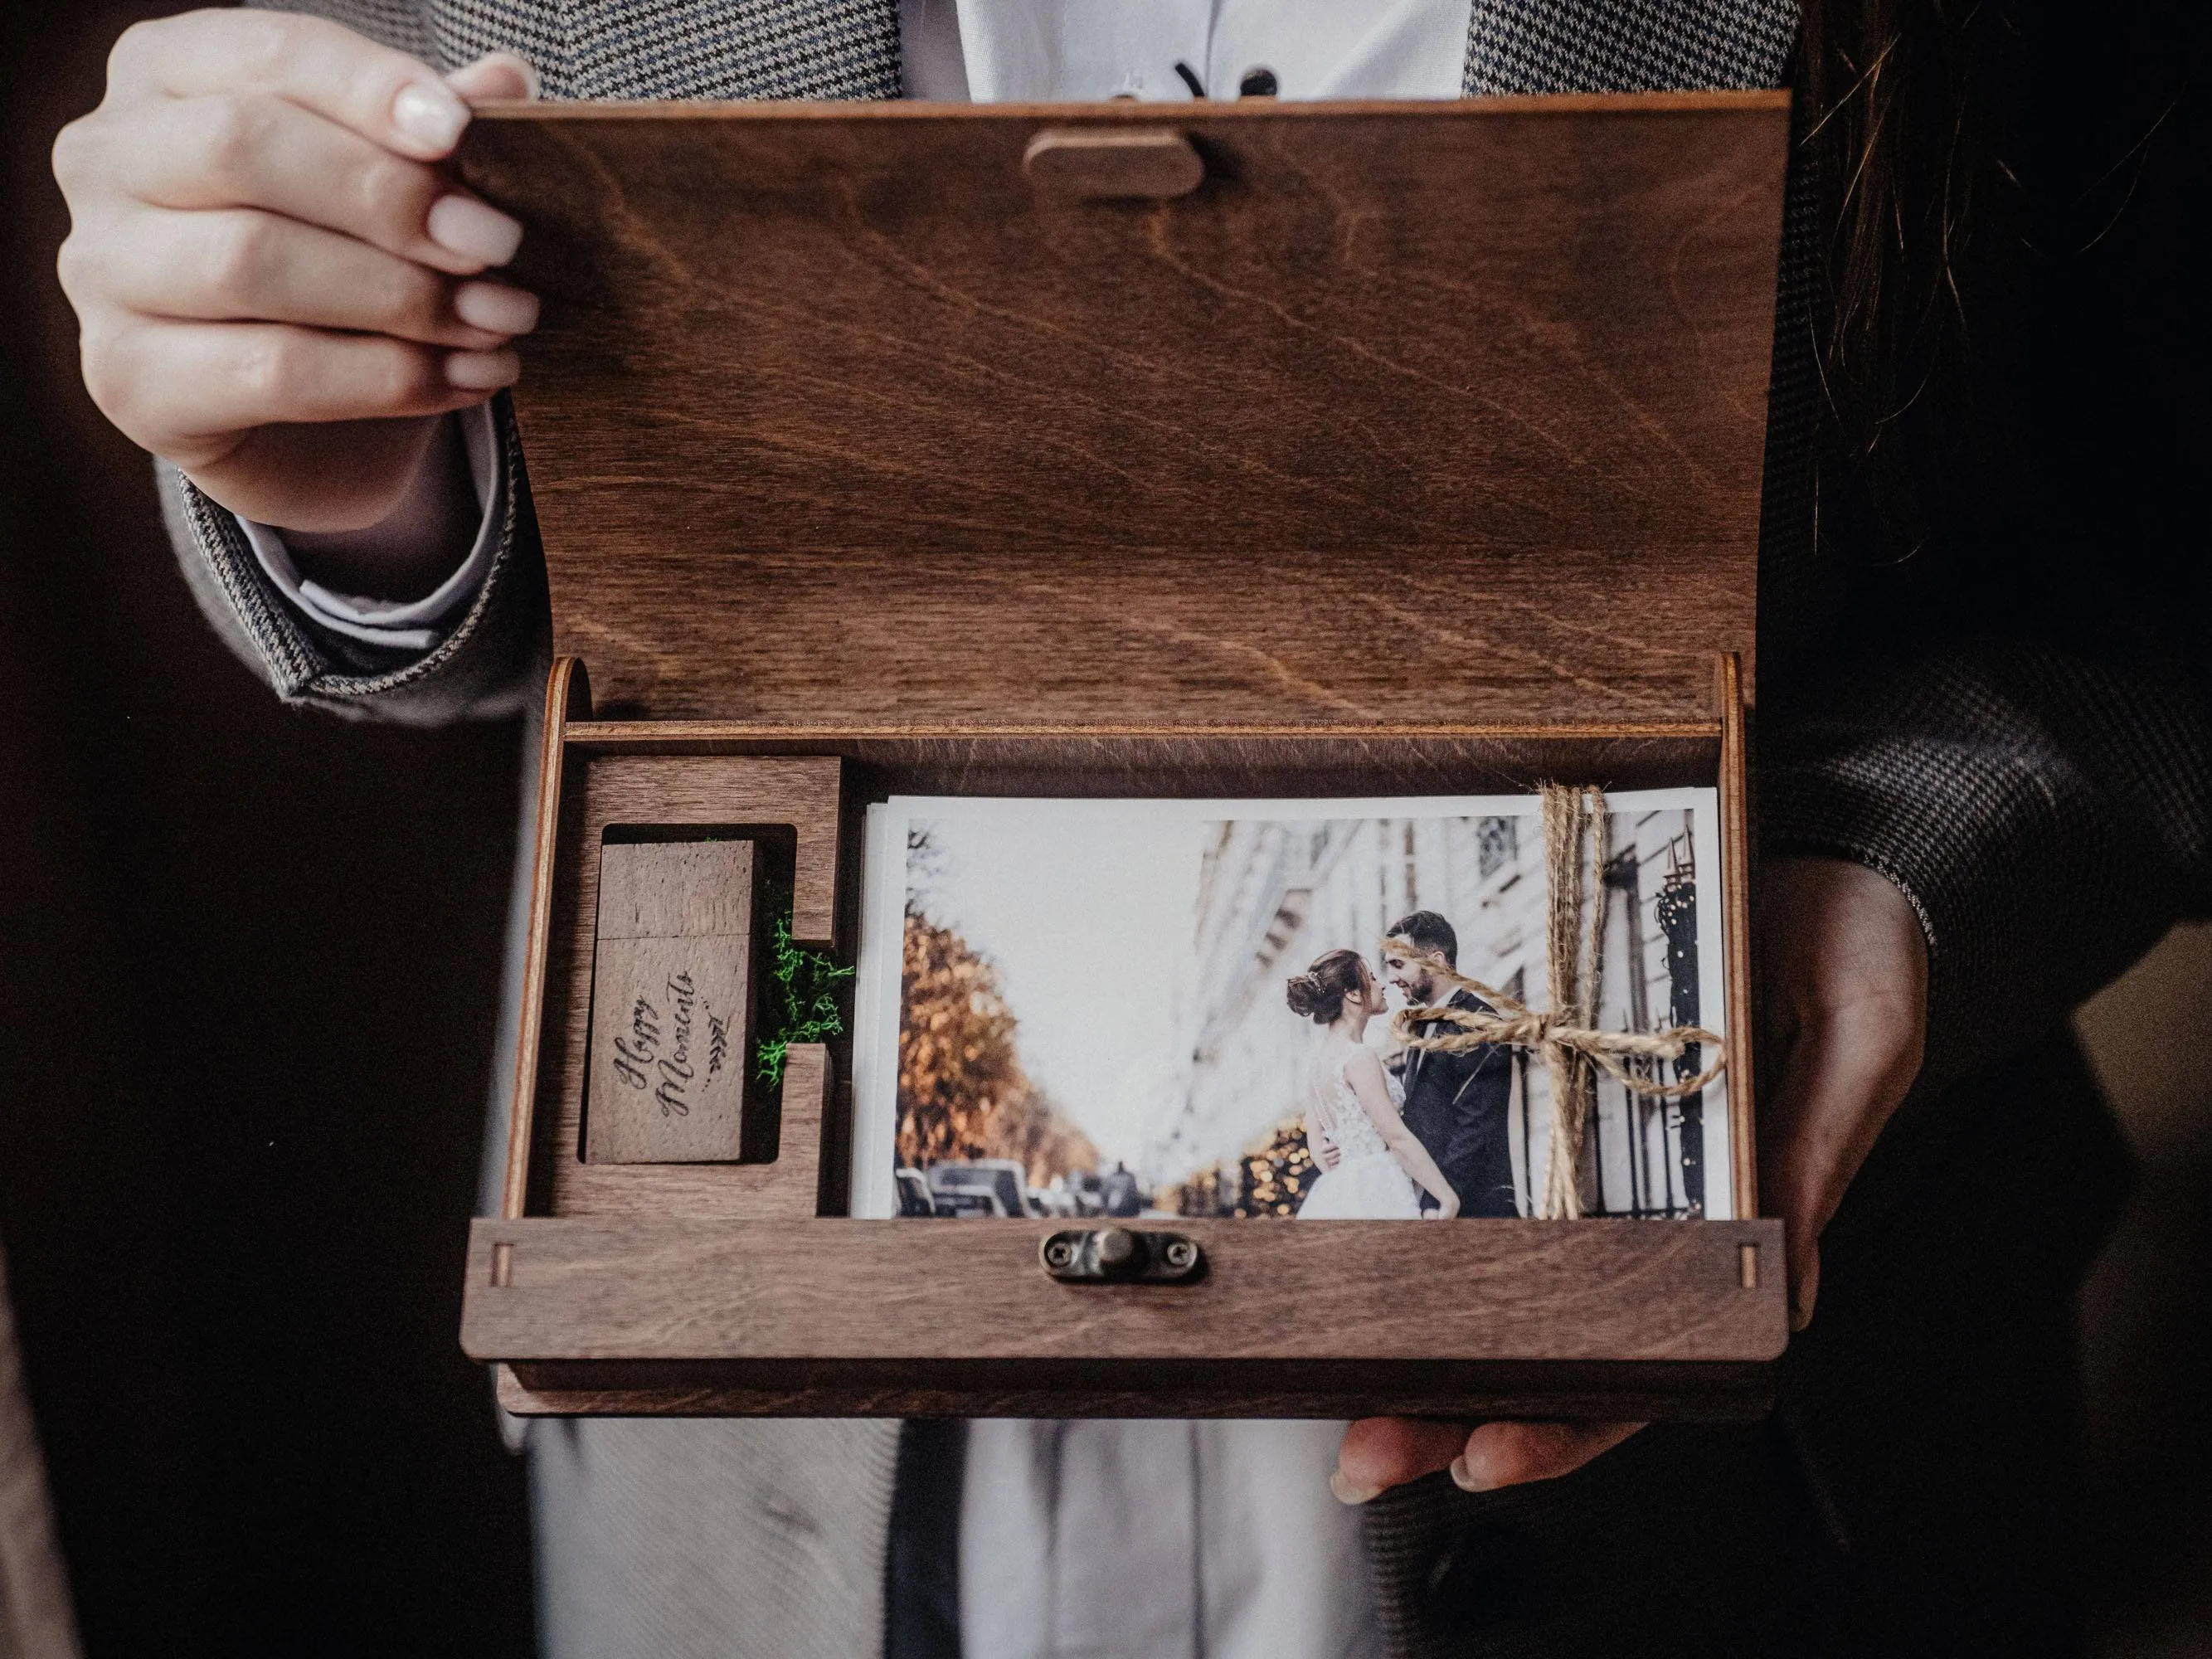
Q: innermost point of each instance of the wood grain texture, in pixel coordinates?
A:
(567, 694)
(781, 1316)
(1356, 1312)
(1115, 164)
(1735, 891)
(1249, 764)
(833, 420)
(676, 890)
(675, 1290)
(661, 793)
(672, 1003)
(1703, 1390)
(657, 793)
(786, 1188)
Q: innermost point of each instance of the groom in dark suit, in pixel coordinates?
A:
(1455, 1103)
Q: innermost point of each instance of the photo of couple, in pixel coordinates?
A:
(1197, 1008)
(1428, 1139)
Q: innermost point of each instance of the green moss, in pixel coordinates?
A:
(801, 1003)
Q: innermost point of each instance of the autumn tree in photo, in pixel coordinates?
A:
(962, 1092)
(1272, 1177)
(1041, 1139)
(1278, 1172)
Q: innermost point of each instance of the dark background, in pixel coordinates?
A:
(249, 966)
(249, 961)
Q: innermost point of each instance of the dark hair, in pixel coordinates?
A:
(1319, 993)
(1430, 932)
(1901, 105)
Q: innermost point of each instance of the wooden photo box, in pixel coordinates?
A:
(1232, 450)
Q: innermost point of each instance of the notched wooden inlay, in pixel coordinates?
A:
(1104, 164)
(670, 1003)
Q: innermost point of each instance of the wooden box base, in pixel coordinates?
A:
(1346, 1319)
(1703, 1390)
(738, 1288)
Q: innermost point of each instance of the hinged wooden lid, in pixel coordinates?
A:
(1407, 413)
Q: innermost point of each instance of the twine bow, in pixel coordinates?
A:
(1573, 1048)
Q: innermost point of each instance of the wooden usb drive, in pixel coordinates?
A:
(672, 1008)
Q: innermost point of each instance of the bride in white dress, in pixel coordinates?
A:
(1370, 1162)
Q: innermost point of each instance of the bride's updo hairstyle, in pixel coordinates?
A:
(1319, 993)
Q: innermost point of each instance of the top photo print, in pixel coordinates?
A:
(1306, 1008)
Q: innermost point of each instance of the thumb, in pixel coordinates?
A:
(494, 76)
(1801, 1163)
(1382, 1452)
(1801, 1248)
(1842, 1078)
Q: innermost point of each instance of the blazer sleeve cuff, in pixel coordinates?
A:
(414, 626)
(331, 652)
(2013, 798)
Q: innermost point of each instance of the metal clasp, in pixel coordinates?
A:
(1119, 1255)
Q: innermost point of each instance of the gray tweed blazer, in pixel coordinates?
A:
(2047, 814)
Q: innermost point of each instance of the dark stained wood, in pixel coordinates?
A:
(735, 1305)
(679, 1288)
(784, 1189)
(1736, 891)
(568, 693)
(1650, 1319)
(660, 793)
(1247, 763)
(1704, 1390)
(1408, 412)
(672, 1003)
(1416, 449)
(676, 890)
(655, 793)
(1095, 164)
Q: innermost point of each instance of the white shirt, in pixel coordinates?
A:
(1102, 1540)
(1047, 50)
(1090, 1540)
(418, 624)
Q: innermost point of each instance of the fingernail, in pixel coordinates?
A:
(1345, 1493)
(429, 115)
(1469, 1477)
(483, 371)
(462, 225)
(496, 307)
(532, 86)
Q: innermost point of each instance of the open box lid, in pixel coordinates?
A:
(842, 417)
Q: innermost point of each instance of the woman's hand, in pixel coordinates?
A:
(278, 290)
(1446, 1205)
(1844, 1022)
(1843, 987)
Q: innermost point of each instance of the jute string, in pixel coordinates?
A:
(1574, 1050)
